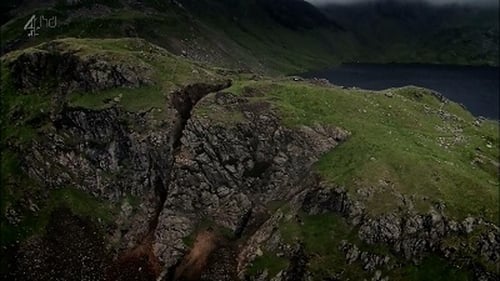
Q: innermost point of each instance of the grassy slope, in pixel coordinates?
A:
(276, 45)
(242, 34)
(401, 142)
(414, 32)
(261, 45)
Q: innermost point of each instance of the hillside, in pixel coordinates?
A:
(236, 34)
(414, 31)
(281, 36)
(161, 140)
(147, 165)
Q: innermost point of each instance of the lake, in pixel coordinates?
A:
(475, 87)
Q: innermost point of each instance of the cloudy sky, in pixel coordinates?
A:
(438, 2)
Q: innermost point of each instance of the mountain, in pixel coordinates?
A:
(293, 14)
(288, 36)
(196, 158)
(414, 31)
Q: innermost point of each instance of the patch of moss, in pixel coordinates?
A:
(432, 268)
(219, 114)
(275, 205)
(131, 99)
(169, 73)
(322, 235)
(268, 261)
(79, 202)
(21, 114)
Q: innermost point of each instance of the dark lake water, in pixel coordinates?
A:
(475, 87)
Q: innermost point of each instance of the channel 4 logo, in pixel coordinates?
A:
(36, 23)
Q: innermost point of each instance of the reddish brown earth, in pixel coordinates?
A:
(136, 264)
(193, 264)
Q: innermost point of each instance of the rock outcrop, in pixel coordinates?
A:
(53, 66)
(410, 236)
(228, 172)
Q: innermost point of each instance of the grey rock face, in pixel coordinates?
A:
(109, 154)
(297, 270)
(223, 171)
(414, 235)
(266, 233)
(324, 198)
(369, 260)
(90, 146)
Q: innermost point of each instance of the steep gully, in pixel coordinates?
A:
(183, 101)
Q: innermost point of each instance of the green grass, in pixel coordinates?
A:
(396, 146)
(268, 261)
(168, 73)
(131, 99)
(222, 115)
(20, 113)
(321, 235)
(79, 202)
(82, 204)
(432, 268)
(21, 117)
